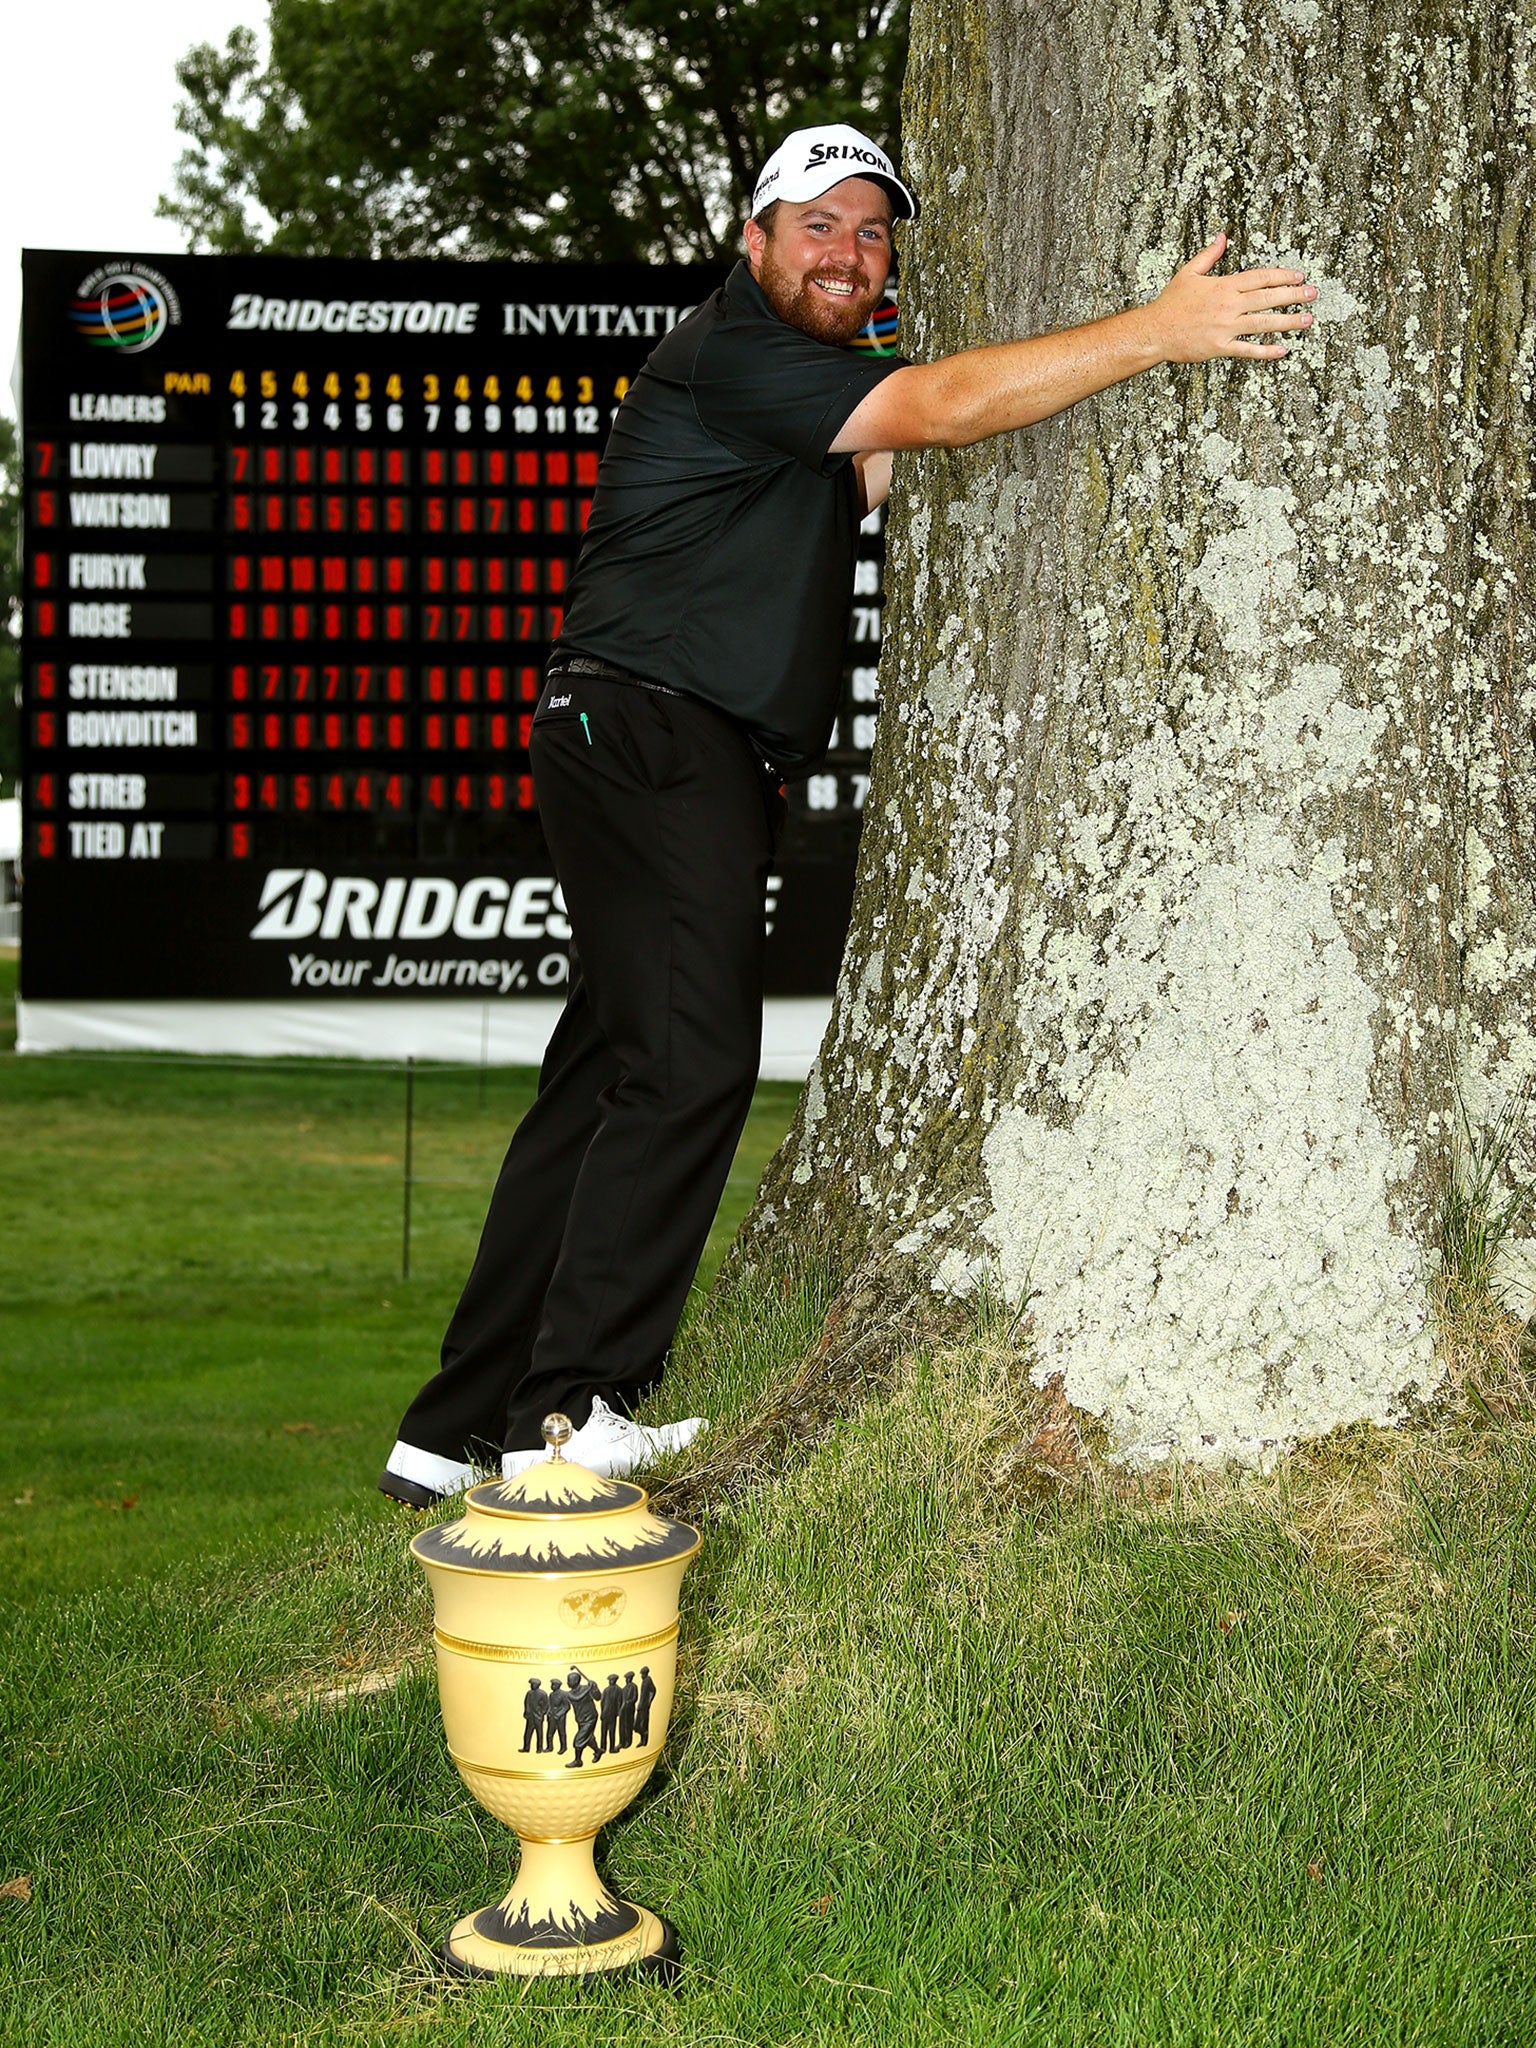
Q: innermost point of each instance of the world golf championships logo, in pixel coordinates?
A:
(124, 307)
(877, 337)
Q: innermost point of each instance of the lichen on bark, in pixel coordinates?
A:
(1198, 876)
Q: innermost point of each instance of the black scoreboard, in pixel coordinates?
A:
(298, 539)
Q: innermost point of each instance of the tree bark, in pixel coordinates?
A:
(1198, 881)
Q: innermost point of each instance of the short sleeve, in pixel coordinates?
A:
(764, 389)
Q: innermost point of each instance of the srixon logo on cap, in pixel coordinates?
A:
(838, 152)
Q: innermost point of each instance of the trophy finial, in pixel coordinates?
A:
(556, 1430)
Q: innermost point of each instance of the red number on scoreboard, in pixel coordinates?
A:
(240, 841)
(45, 679)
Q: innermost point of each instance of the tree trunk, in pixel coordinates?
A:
(1197, 883)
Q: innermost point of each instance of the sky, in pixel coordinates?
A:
(88, 138)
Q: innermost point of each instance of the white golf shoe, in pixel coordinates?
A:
(613, 1445)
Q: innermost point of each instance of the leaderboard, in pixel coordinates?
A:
(299, 535)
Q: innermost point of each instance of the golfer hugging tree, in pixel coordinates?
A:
(698, 670)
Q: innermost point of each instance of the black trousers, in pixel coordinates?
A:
(662, 825)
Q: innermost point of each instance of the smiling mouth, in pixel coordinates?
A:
(836, 287)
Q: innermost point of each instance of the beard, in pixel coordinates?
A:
(797, 300)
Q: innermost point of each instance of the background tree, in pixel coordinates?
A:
(10, 606)
(1198, 884)
(542, 128)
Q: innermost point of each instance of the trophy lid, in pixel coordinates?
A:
(556, 1517)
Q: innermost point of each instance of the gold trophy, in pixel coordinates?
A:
(556, 1631)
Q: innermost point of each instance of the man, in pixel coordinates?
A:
(535, 1712)
(583, 1696)
(612, 1701)
(555, 1713)
(700, 667)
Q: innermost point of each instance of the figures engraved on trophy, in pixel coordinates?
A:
(606, 1719)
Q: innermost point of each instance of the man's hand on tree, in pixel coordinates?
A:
(965, 398)
(1198, 316)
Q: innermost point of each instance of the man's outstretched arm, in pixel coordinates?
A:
(984, 391)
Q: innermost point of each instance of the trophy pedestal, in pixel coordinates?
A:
(560, 1920)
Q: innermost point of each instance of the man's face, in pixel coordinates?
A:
(824, 266)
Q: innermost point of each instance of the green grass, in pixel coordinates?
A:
(1245, 1764)
(1125, 1775)
(204, 1335)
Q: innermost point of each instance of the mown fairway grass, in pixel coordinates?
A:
(1242, 1764)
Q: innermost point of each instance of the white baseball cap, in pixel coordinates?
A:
(813, 160)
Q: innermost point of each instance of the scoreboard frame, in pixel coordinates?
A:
(297, 537)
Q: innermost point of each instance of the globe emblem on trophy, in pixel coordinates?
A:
(556, 1599)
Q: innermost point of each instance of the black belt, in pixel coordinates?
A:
(605, 671)
(610, 672)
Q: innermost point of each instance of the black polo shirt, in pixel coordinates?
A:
(720, 550)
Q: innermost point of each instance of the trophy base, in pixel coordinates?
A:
(648, 1949)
